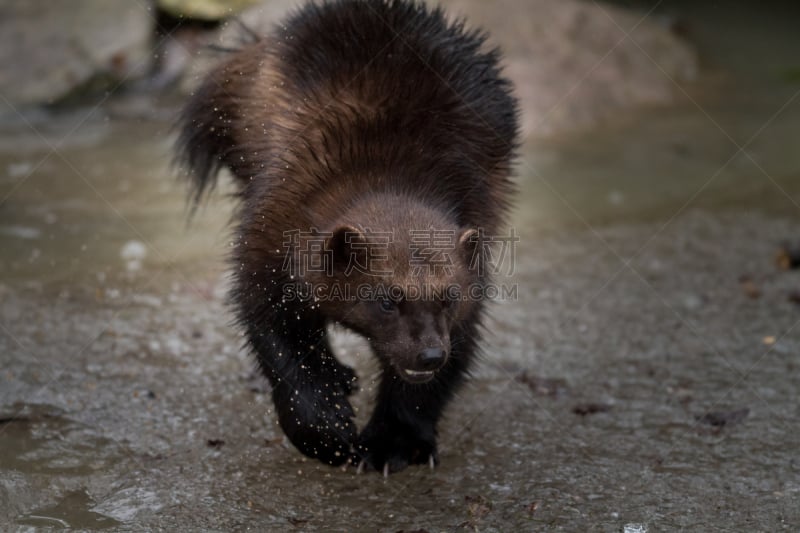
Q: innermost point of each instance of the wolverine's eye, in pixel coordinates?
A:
(387, 306)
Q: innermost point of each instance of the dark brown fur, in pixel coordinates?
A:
(358, 116)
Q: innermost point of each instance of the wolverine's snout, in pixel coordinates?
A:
(431, 359)
(423, 367)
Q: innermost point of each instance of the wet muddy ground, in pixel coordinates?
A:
(644, 378)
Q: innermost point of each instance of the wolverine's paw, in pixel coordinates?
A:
(319, 422)
(392, 451)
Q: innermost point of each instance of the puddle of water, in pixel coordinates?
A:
(74, 214)
(73, 511)
(647, 166)
(37, 439)
(40, 445)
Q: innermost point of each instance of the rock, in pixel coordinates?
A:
(54, 50)
(572, 64)
(571, 61)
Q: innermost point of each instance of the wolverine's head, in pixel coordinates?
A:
(403, 277)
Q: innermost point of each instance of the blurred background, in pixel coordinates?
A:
(644, 378)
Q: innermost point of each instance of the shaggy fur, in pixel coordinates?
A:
(355, 117)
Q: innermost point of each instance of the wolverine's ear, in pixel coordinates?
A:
(469, 243)
(347, 245)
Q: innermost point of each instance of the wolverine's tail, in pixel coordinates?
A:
(208, 124)
(204, 139)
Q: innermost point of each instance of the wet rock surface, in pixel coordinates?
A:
(52, 50)
(632, 384)
(577, 63)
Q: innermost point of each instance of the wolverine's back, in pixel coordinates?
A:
(380, 94)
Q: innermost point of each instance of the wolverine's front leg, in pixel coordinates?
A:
(309, 386)
(398, 435)
(402, 429)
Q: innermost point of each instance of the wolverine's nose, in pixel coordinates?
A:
(431, 358)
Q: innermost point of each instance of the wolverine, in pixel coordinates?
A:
(364, 135)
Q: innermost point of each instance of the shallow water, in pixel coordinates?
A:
(126, 403)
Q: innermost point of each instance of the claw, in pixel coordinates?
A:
(386, 470)
(361, 465)
(431, 462)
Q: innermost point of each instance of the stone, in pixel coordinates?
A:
(573, 62)
(51, 50)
